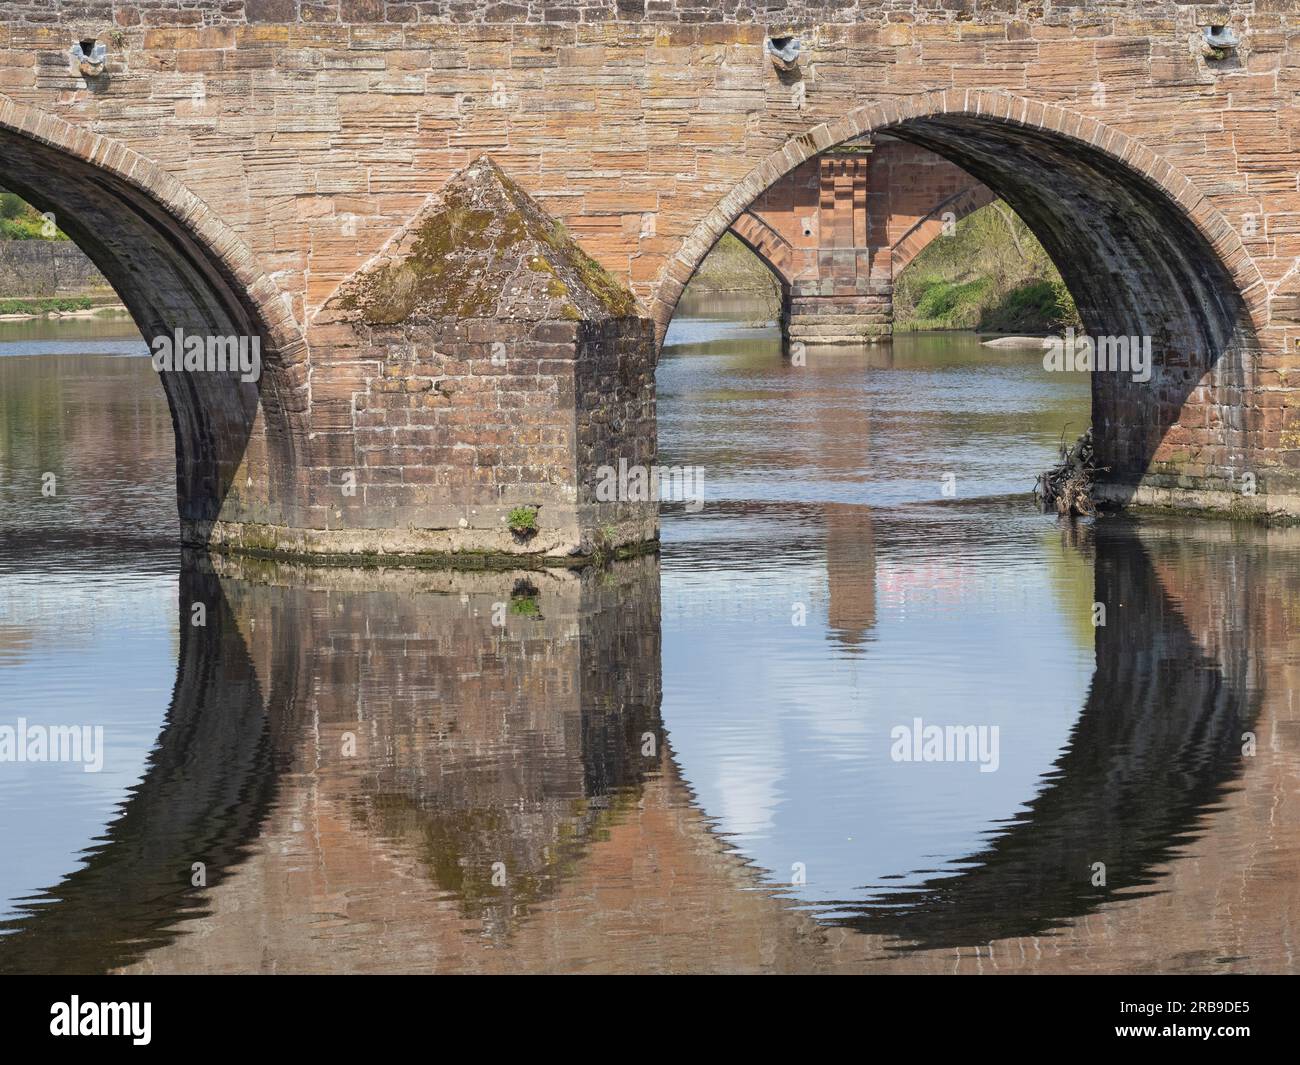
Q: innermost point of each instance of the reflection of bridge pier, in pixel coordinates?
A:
(837, 230)
(485, 725)
(536, 745)
(477, 730)
(850, 573)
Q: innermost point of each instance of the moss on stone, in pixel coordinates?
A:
(485, 249)
(617, 300)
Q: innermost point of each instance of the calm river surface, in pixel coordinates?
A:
(713, 760)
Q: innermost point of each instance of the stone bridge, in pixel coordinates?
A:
(459, 229)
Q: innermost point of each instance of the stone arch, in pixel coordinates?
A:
(771, 248)
(1141, 248)
(922, 118)
(926, 229)
(176, 265)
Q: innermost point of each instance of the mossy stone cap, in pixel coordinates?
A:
(483, 248)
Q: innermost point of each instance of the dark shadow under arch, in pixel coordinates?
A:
(1135, 265)
(175, 266)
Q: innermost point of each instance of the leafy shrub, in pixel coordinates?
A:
(12, 205)
(1042, 304)
(989, 273)
(44, 306)
(523, 520)
(19, 220)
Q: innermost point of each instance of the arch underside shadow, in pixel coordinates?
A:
(1136, 266)
(228, 431)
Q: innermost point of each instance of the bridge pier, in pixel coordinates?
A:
(838, 229)
(843, 295)
(478, 386)
(857, 318)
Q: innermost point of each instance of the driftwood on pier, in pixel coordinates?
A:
(1067, 486)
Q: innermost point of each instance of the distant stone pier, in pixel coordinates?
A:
(837, 230)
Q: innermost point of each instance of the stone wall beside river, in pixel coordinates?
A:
(46, 268)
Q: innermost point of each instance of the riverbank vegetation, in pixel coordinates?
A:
(19, 220)
(989, 274)
(30, 308)
(732, 268)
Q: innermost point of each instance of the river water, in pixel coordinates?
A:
(720, 759)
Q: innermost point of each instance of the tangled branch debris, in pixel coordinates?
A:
(1067, 486)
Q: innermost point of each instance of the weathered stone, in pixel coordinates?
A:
(532, 352)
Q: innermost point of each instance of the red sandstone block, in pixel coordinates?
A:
(422, 475)
(557, 333)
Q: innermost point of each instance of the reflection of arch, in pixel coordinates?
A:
(926, 229)
(175, 265)
(575, 721)
(244, 692)
(206, 788)
(1158, 741)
